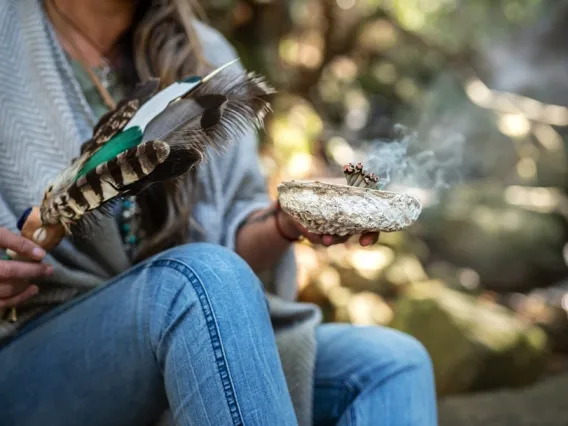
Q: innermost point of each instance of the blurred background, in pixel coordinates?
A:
(464, 103)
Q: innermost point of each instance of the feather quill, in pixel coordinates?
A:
(152, 137)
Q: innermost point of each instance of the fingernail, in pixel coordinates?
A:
(38, 252)
(35, 290)
(49, 269)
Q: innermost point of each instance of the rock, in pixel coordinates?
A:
(474, 344)
(512, 244)
(543, 404)
(547, 308)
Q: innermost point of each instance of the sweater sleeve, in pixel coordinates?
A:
(242, 186)
(244, 189)
(7, 218)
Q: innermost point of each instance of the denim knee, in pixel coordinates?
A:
(398, 352)
(405, 350)
(222, 272)
(209, 281)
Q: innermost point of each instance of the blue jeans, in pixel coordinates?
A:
(372, 376)
(190, 330)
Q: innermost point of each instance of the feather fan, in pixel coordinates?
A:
(152, 137)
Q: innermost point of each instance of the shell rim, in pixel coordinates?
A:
(307, 183)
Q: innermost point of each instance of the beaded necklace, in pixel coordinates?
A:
(129, 224)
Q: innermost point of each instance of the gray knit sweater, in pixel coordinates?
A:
(44, 118)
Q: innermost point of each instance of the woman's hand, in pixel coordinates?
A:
(294, 230)
(14, 274)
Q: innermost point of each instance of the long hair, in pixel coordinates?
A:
(162, 42)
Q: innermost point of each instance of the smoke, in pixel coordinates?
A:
(532, 61)
(432, 154)
(430, 161)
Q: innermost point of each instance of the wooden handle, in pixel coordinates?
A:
(47, 237)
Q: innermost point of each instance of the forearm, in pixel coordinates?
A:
(260, 243)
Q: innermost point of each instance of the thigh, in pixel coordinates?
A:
(352, 359)
(86, 362)
(189, 329)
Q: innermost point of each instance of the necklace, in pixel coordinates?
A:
(101, 81)
(129, 224)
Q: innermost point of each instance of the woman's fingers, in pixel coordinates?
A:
(329, 240)
(369, 239)
(20, 245)
(14, 274)
(313, 238)
(11, 289)
(14, 270)
(10, 302)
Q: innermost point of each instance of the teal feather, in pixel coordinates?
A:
(119, 143)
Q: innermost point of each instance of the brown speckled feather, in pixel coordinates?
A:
(114, 121)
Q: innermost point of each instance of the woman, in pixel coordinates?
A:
(181, 327)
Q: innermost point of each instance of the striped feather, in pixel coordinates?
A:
(105, 182)
(108, 126)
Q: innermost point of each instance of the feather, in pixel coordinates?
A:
(152, 137)
(114, 121)
(119, 130)
(103, 183)
(108, 126)
(121, 142)
(214, 113)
